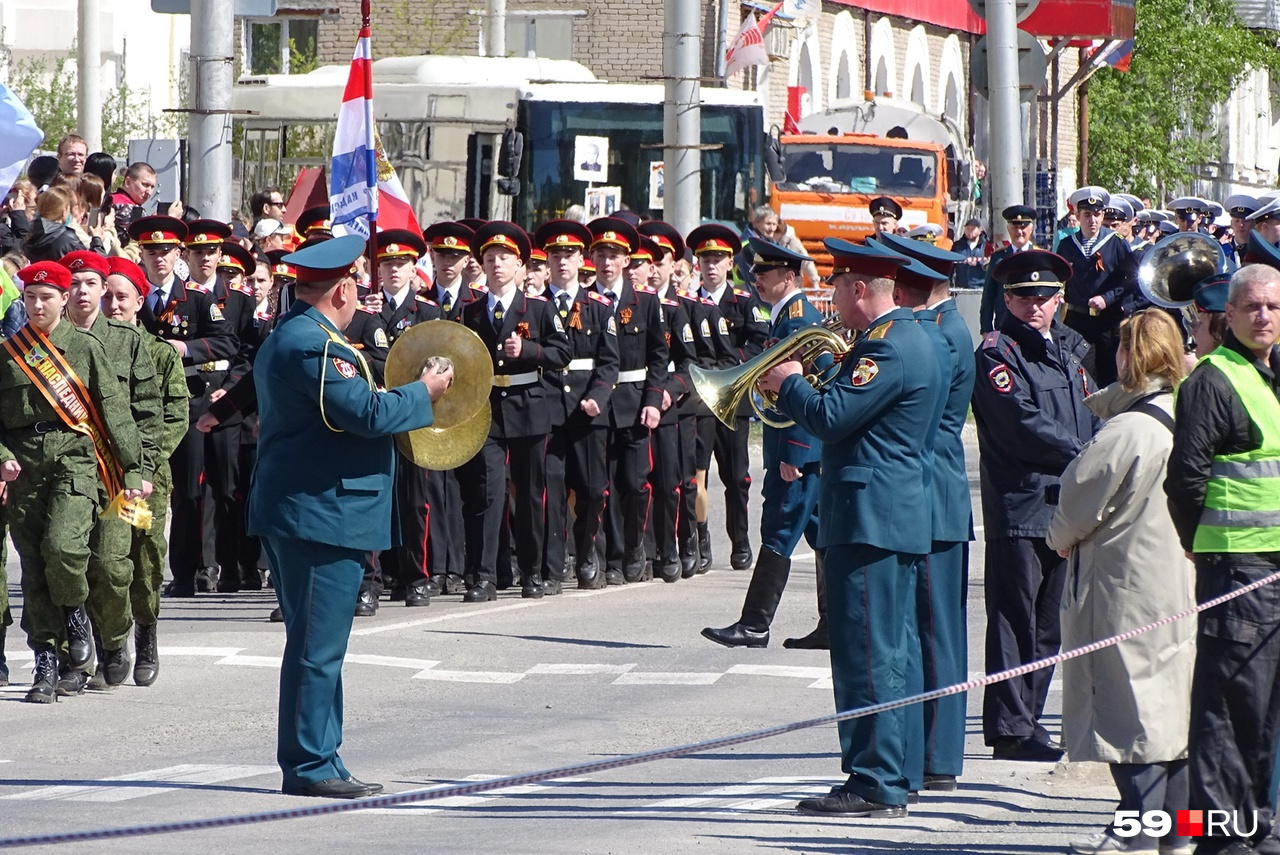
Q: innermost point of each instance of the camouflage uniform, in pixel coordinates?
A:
(110, 571)
(149, 548)
(53, 502)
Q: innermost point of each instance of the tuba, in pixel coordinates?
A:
(1173, 267)
(462, 415)
(722, 390)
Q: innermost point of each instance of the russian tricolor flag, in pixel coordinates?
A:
(363, 186)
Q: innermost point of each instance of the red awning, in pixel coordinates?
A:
(1092, 19)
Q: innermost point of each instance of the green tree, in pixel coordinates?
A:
(1153, 127)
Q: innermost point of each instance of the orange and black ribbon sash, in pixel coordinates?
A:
(49, 371)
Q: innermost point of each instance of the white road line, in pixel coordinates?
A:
(801, 556)
(422, 808)
(804, 673)
(391, 661)
(481, 612)
(200, 651)
(688, 678)
(255, 661)
(470, 676)
(171, 778)
(571, 668)
(706, 798)
(782, 800)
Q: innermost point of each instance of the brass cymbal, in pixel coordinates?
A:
(441, 449)
(472, 368)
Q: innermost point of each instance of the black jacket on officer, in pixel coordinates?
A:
(1028, 402)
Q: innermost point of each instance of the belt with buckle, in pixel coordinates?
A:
(580, 364)
(506, 380)
(633, 375)
(1083, 310)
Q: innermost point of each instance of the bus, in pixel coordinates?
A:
(499, 137)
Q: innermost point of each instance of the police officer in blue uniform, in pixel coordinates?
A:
(942, 579)
(1102, 289)
(1028, 402)
(875, 422)
(791, 460)
(321, 497)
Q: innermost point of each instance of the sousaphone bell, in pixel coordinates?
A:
(1171, 269)
(462, 415)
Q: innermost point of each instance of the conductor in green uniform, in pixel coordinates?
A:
(321, 499)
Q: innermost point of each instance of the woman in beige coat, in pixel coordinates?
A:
(1129, 705)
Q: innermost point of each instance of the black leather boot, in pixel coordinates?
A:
(704, 547)
(44, 678)
(98, 682)
(79, 636)
(146, 665)
(763, 594)
(818, 639)
(4, 666)
(689, 556)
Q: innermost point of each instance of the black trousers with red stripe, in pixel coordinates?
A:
(666, 481)
(733, 464)
(627, 511)
(484, 488)
(575, 461)
(409, 563)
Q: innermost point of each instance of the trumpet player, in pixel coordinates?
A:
(875, 421)
(791, 457)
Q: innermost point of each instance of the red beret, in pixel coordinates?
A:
(46, 273)
(118, 266)
(82, 260)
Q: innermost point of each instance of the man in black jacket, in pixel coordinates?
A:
(1226, 449)
(1028, 402)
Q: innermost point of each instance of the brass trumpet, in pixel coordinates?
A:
(723, 389)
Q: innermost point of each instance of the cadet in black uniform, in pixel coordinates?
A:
(579, 396)
(748, 326)
(1028, 401)
(711, 350)
(636, 406)
(523, 335)
(450, 245)
(404, 567)
(664, 479)
(192, 323)
(222, 511)
(1103, 285)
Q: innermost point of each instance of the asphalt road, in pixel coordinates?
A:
(456, 693)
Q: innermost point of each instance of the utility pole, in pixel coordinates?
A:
(88, 72)
(495, 28)
(682, 115)
(1005, 167)
(209, 141)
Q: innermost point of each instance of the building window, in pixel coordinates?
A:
(546, 34)
(280, 45)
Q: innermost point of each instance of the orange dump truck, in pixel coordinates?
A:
(827, 182)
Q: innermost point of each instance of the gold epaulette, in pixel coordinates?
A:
(880, 331)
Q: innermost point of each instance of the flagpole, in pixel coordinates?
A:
(371, 248)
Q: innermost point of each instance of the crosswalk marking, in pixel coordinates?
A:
(167, 779)
(421, 808)
(470, 676)
(675, 678)
(783, 793)
(580, 669)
